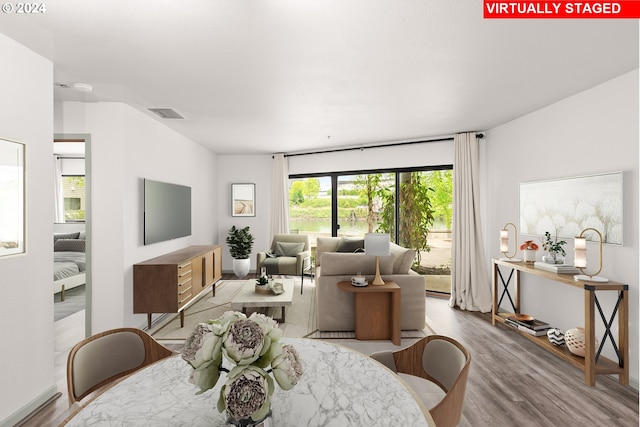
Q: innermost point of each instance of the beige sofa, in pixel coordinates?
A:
(335, 306)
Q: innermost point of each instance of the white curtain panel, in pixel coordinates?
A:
(470, 284)
(57, 190)
(280, 195)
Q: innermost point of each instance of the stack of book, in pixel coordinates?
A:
(556, 268)
(534, 327)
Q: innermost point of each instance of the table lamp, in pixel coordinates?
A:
(377, 244)
(504, 243)
(580, 258)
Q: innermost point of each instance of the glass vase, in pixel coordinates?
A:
(553, 258)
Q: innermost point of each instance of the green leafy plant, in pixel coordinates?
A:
(262, 281)
(553, 246)
(240, 242)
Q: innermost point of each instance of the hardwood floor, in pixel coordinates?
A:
(512, 381)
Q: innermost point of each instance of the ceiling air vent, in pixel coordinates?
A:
(166, 113)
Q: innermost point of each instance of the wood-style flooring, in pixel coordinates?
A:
(512, 381)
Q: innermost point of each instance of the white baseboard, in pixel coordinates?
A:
(50, 394)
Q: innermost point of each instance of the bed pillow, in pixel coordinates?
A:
(69, 245)
(289, 248)
(58, 236)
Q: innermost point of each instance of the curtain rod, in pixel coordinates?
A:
(392, 144)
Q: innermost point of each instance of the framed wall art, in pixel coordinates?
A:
(564, 207)
(243, 200)
(11, 197)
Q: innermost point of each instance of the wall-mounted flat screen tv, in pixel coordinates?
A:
(167, 211)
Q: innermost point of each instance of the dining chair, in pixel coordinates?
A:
(436, 368)
(102, 358)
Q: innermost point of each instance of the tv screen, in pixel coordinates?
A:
(167, 211)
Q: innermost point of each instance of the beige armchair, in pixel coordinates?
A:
(289, 254)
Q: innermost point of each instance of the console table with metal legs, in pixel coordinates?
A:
(593, 363)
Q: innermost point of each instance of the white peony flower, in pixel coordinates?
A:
(287, 367)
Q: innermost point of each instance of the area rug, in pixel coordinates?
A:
(300, 316)
(300, 320)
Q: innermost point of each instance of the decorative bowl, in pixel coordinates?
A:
(575, 340)
(556, 336)
(523, 317)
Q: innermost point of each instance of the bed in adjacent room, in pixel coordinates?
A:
(69, 261)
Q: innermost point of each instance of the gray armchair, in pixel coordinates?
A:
(289, 254)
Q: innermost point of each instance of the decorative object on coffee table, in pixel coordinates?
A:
(556, 336)
(580, 258)
(262, 285)
(377, 244)
(555, 251)
(504, 243)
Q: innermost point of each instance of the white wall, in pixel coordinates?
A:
(126, 147)
(26, 306)
(235, 169)
(592, 132)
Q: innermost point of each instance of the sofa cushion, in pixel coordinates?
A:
(350, 244)
(403, 259)
(289, 248)
(336, 264)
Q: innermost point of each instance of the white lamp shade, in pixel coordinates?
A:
(580, 252)
(377, 244)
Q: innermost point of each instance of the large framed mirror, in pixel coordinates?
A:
(12, 224)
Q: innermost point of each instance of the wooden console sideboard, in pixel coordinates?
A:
(593, 363)
(167, 283)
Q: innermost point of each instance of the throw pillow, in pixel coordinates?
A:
(350, 245)
(289, 248)
(69, 245)
(403, 258)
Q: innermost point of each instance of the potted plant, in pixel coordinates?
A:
(555, 251)
(240, 243)
(529, 249)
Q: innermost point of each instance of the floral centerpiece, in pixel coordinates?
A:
(529, 249)
(253, 345)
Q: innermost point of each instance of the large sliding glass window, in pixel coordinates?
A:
(413, 205)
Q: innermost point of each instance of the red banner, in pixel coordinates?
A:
(624, 9)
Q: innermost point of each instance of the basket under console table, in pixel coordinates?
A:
(593, 363)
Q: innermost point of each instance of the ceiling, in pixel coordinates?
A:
(297, 75)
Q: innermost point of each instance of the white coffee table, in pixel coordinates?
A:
(247, 297)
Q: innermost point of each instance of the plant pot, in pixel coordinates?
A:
(241, 267)
(529, 255)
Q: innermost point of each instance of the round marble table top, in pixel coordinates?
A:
(339, 387)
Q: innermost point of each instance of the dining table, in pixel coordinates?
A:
(339, 387)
